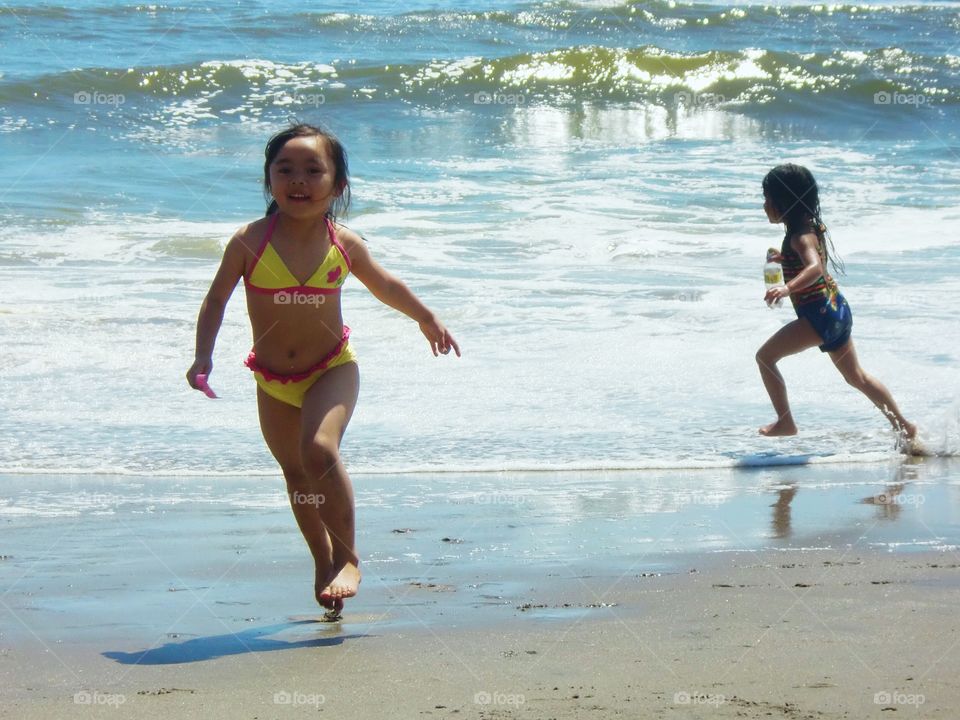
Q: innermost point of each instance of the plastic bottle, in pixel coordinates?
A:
(773, 274)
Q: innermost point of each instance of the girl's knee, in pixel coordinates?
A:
(857, 379)
(320, 455)
(297, 479)
(765, 359)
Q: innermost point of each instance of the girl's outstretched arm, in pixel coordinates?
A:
(392, 291)
(211, 311)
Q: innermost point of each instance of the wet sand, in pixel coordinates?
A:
(830, 597)
(805, 634)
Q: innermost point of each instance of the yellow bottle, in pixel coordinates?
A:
(773, 274)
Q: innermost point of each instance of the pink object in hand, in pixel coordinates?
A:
(202, 384)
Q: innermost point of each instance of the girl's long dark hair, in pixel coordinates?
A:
(338, 154)
(794, 193)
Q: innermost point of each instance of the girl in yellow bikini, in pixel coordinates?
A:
(302, 360)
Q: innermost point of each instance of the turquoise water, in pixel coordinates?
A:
(575, 188)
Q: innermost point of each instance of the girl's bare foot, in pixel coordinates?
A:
(336, 613)
(321, 586)
(909, 430)
(782, 427)
(908, 441)
(344, 585)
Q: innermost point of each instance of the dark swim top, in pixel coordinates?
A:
(823, 288)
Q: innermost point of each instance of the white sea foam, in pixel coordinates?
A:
(608, 303)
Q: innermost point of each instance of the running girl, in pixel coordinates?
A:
(293, 263)
(824, 319)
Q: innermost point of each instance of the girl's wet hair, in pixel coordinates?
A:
(794, 193)
(338, 154)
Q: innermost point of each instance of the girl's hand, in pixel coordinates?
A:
(775, 293)
(440, 339)
(201, 366)
(775, 257)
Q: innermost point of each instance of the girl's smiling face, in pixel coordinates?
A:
(302, 177)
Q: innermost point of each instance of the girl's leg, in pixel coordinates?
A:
(845, 359)
(327, 408)
(792, 338)
(280, 424)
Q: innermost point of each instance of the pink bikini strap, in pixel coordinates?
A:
(333, 239)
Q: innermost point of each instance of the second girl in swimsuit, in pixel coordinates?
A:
(823, 319)
(303, 363)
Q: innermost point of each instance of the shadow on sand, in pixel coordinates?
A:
(215, 646)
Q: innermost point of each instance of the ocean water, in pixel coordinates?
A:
(573, 187)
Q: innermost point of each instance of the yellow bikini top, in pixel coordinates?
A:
(271, 275)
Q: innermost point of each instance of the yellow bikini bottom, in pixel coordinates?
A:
(291, 388)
